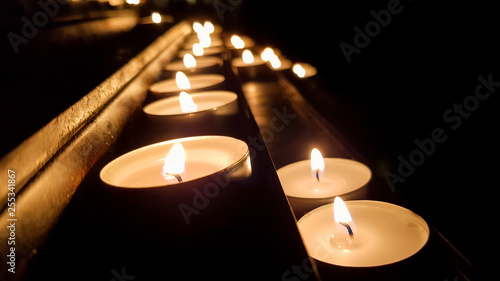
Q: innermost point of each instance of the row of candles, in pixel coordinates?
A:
(358, 233)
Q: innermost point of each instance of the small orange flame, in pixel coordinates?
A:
(317, 164)
(275, 61)
(237, 42)
(267, 54)
(187, 103)
(175, 162)
(209, 27)
(299, 70)
(182, 81)
(197, 27)
(198, 49)
(156, 17)
(247, 57)
(341, 214)
(189, 61)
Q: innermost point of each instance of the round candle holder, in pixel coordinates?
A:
(218, 102)
(198, 82)
(204, 64)
(384, 234)
(341, 176)
(204, 157)
(256, 70)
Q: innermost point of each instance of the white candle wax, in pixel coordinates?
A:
(197, 82)
(204, 156)
(209, 100)
(385, 233)
(201, 62)
(340, 176)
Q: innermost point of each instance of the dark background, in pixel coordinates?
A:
(394, 91)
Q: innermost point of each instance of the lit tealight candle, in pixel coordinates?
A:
(200, 64)
(323, 178)
(362, 233)
(178, 161)
(247, 59)
(304, 70)
(182, 82)
(220, 102)
(279, 64)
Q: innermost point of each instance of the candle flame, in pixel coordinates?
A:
(299, 70)
(267, 54)
(156, 17)
(197, 27)
(187, 103)
(341, 214)
(317, 164)
(182, 81)
(275, 61)
(198, 49)
(205, 40)
(237, 42)
(174, 163)
(247, 56)
(209, 27)
(189, 61)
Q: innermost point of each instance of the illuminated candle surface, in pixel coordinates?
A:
(339, 176)
(201, 81)
(204, 101)
(203, 156)
(382, 233)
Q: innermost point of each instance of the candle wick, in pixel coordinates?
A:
(349, 229)
(177, 176)
(317, 174)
